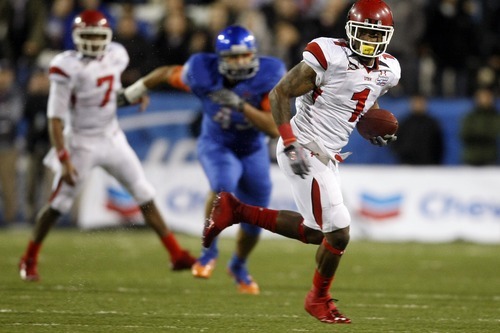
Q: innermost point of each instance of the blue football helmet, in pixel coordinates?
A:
(235, 40)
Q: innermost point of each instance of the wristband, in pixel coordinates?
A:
(135, 91)
(287, 134)
(62, 155)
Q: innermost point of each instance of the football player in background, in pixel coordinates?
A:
(233, 85)
(83, 103)
(336, 83)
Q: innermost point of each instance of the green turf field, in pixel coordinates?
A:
(119, 281)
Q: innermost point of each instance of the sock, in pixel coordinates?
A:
(208, 254)
(236, 261)
(238, 269)
(170, 243)
(321, 284)
(262, 217)
(32, 250)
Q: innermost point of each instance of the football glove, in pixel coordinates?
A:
(382, 141)
(228, 98)
(121, 99)
(297, 158)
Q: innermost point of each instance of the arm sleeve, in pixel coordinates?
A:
(265, 104)
(175, 79)
(59, 97)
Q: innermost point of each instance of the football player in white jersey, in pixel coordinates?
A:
(83, 104)
(336, 83)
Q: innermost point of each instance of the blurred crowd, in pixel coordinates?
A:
(447, 48)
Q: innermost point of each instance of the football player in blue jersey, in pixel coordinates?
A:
(233, 85)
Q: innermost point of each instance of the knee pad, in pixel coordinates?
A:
(249, 229)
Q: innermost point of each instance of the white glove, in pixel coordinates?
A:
(131, 94)
(383, 141)
(297, 158)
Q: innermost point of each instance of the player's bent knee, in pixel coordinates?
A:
(310, 236)
(335, 249)
(342, 238)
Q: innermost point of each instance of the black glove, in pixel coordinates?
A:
(121, 99)
(298, 160)
(383, 141)
(228, 98)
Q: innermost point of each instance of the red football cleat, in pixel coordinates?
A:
(324, 309)
(28, 270)
(221, 217)
(185, 261)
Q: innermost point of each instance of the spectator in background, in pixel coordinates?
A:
(330, 21)
(218, 19)
(255, 21)
(23, 23)
(410, 21)
(172, 44)
(10, 114)
(480, 131)
(420, 137)
(38, 179)
(56, 25)
(289, 29)
(450, 35)
(137, 46)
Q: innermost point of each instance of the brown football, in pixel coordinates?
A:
(377, 122)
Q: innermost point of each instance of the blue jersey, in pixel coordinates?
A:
(222, 124)
(233, 153)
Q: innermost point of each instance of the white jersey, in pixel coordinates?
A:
(83, 90)
(345, 90)
(83, 93)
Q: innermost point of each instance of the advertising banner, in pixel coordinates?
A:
(386, 203)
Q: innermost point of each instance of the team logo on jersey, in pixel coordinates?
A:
(382, 79)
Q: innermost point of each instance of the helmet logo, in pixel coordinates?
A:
(239, 48)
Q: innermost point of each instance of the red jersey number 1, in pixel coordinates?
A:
(360, 105)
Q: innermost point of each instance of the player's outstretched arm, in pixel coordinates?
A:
(170, 75)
